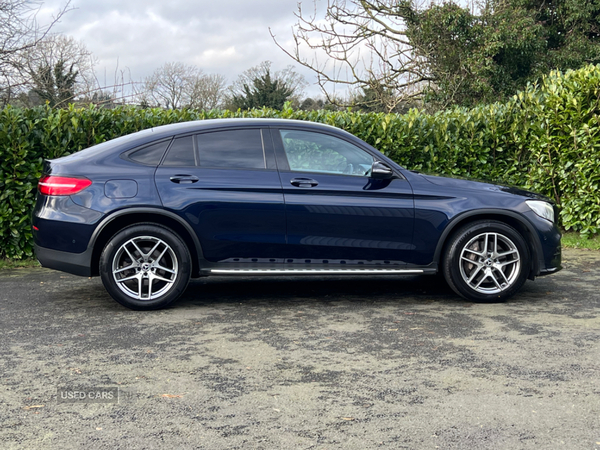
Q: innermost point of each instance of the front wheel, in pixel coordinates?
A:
(486, 261)
(145, 267)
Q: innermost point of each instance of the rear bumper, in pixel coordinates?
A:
(75, 263)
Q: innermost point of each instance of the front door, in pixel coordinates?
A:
(335, 212)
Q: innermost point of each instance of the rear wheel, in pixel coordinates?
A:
(145, 267)
(486, 261)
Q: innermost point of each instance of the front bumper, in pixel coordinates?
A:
(555, 263)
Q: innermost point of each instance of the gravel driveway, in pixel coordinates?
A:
(353, 363)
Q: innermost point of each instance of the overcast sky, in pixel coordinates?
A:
(218, 36)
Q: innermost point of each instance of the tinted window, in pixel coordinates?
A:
(151, 154)
(316, 152)
(181, 153)
(242, 149)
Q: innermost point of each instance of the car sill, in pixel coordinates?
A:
(313, 271)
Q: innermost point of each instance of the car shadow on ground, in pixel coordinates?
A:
(220, 289)
(281, 291)
(274, 290)
(277, 291)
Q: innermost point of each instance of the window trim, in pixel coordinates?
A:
(269, 156)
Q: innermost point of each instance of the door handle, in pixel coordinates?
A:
(184, 179)
(304, 182)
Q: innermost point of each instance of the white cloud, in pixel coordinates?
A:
(226, 37)
(217, 57)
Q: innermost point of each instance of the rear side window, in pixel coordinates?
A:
(181, 153)
(150, 155)
(237, 149)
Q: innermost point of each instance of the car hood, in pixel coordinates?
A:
(462, 183)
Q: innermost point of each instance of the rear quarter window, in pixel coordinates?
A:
(149, 155)
(181, 153)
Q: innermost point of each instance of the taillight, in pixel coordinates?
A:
(50, 185)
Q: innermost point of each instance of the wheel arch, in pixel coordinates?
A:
(510, 218)
(126, 217)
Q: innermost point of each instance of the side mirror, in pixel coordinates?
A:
(381, 171)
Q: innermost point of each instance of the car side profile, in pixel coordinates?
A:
(148, 211)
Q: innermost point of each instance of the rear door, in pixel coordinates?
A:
(224, 183)
(336, 213)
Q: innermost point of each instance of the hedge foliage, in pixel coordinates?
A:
(547, 138)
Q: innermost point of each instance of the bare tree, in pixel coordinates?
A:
(177, 85)
(362, 44)
(19, 31)
(207, 92)
(121, 91)
(167, 85)
(55, 55)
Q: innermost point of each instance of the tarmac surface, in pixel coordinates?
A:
(302, 363)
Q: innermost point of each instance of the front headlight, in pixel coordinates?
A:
(542, 209)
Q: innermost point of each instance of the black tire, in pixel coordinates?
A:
(493, 275)
(145, 267)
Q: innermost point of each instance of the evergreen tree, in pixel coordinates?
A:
(259, 87)
(264, 92)
(56, 85)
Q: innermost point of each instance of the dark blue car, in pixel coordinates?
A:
(149, 210)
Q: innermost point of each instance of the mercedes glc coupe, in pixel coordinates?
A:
(148, 211)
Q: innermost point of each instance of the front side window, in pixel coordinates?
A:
(315, 152)
(233, 149)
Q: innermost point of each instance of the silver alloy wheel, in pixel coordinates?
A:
(145, 268)
(490, 263)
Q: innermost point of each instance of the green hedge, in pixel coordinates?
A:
(546, 138)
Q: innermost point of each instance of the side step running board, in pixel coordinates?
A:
(312, 271)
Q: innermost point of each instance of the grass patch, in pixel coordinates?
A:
(572, 239)
(18, 263)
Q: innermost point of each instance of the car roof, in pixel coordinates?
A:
(149, 135)
(199, 125)
(208, 124)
